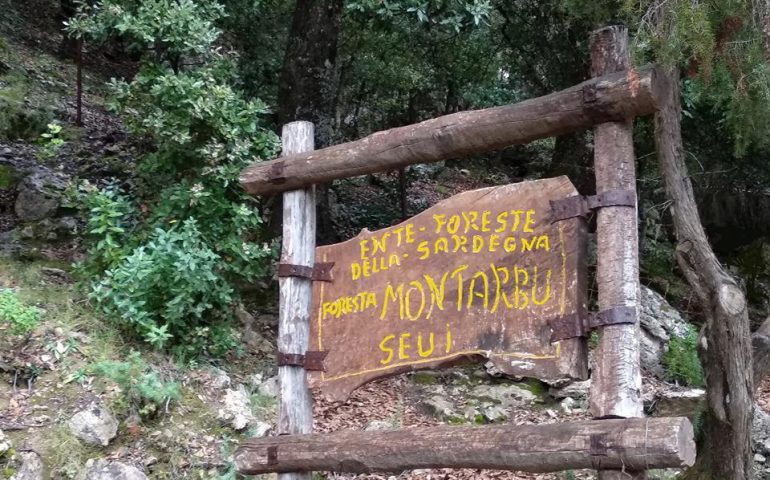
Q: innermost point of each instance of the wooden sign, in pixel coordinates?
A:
(476, 276)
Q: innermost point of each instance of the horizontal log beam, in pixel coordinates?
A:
(611, 97)
(637, 443)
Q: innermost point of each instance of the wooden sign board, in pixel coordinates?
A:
(478, 275)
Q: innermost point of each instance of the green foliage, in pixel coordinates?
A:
(721, 45)
(168, 273)
(167, 28)
(142, 387)
(109, 217)
(21, 117)
(50, 142)
(681, 360)
(171, 290)
(19, 318)
(453, 13)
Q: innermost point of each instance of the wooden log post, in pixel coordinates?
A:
(295, 408)
(618, 95)
(616, 379)
(636, 443)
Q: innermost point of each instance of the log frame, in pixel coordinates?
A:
(616, 381)
(616, 96)
(295, 404)
(622, 443)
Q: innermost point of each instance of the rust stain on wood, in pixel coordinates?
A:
(477, 276)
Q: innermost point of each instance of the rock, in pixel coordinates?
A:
(679, 403)
(567, 405)
(269, 388)
(235, 409)
(495, 372)
(260, 429)
(219, 379)
(31, 467)
(5, 444)
(439, 406)
(759, 458)
(505, 394)
(760, 431)
(659, 321)
(574, 390)
(494, 413)
(94, 425)
(376, 425)
(105, 470)
(39, 195)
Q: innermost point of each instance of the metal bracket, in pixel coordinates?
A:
(579, 206)
(319, 272)
(312, 360)
(574, 325)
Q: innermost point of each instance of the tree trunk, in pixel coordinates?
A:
(725, 449)
(306, 90)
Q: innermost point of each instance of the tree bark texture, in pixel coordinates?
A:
(632, 443)
(308, 83)
(726, 350)
(295, 406)
(612, 97)
(616, 382)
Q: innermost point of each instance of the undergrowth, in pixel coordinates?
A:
(681, 360)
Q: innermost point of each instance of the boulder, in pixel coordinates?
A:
(235, 409)
(679, 403)
(94, 425)
(439, 406)
(504, 394)
(5, 443)
(39, 195)
(659, 321)
(760, 431)
(31, 467)
(269, 388)
(106, 470)
(260, 429)
(574, 390)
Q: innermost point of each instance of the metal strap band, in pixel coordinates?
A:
(574, 325)
(580, 206)
(320, 272)
(272, 456)
(598, 448)
(311, 361)
(612, 316)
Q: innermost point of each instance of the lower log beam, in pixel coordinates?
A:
(634, 444)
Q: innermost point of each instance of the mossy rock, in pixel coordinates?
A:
(9, 177)
(423, 378)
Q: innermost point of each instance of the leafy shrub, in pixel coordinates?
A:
(142, 387)
(50, 142)
(110, 216)
(168, 273)
(171, 288)
(681, 360)
(20, 318)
